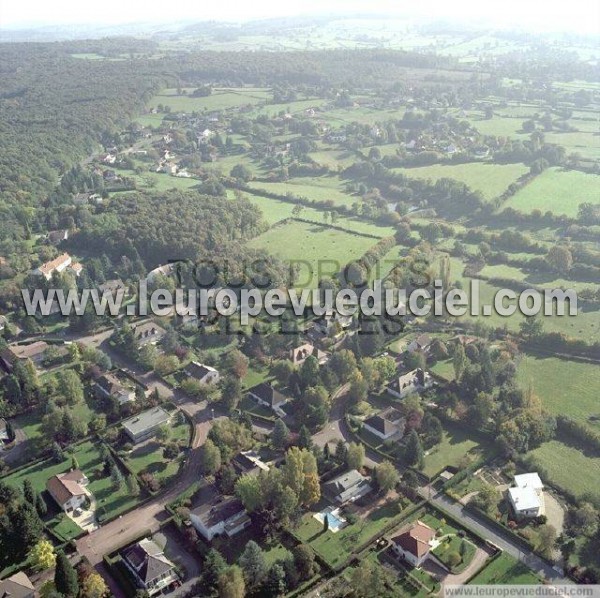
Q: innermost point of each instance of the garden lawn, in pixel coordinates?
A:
(312, 246)
(558, 191)
(64, 527)
(110, 502)
(336, 548)
(491, 179)
(148, 457)
(456, 443)
(565, 387)
(505, 570)
(568, 468)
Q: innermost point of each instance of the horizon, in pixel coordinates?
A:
(581, 17)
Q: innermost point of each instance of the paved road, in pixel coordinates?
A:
(490, 532)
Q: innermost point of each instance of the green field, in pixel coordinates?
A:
(491, 179)
(313, 188)
(558, 191)
(110, 502)
(505, 569)
(568, 468)
(565, 387)
(220, 99)
(455, 444)
(309, 245)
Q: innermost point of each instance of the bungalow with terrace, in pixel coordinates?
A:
(415, 543)
(67, 489)
(527, 496)
(204, 374)
(17, 586)
(218, 516)
(299, 355)
(265, 394)
(109, 386)
(144, 426)
(148, 333)
(152, 571)
(348, 487)
(415, 381)
(386, 425)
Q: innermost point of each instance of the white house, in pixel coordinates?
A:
(387, 424)
(527, 496)
(67, 489)
(415, 543)
(219, 517)
(204, 374)
(407, 384)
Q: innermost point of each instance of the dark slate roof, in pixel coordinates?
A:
(147, 559)
(267, 393)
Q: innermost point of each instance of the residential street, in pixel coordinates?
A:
(503, 541)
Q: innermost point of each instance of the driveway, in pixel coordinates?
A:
(336, 428)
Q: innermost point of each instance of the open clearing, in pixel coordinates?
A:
(220, 99)
(506, 570)
(491, 179)
(310, 245)
(565, 387)
(568, 468)
(558, 191)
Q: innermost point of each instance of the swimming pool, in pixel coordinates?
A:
(336, 521)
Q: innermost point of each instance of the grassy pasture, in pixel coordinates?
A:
(569, 468)
(312, 244)
(560, 191)
(491, 179)
(565, 387)
(220, 99)
(314, 188)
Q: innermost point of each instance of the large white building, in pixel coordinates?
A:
(527, 496)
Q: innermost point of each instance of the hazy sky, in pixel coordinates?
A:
(539, 15)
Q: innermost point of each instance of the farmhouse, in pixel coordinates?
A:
(348, 487)
(299, 355)
(60, 264)
(217, 516)
(421, 343)
(149, 333)
(34, 351)
(266, 395)
(387, 424)
(527, 496)
(204, 374)
(415, 543)
(407, 384)
(143, 426)
(67, 489)
(17, 586)
(152, 571)
(108, 385)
